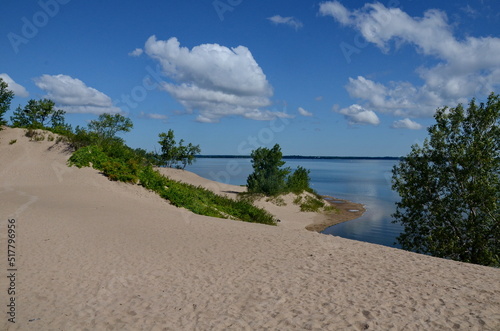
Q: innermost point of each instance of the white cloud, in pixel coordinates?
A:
(153, 116)
(396, 98)
(290, 21)
(213, 80)
(336, 10)
(356, 114)
(304, 112)
(136, 52)
(73, 96)
(406, 124)
(18, 90)
(466, 68)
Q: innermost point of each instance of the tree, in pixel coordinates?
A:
(168, 154)
(450, 186)
(6, 97)
(107, 126)
(187, 154)
(268, 177)
(298, 182)
(171, 154)
(37, 114)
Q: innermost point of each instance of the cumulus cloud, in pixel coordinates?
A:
(290, 21)
(465, 68)
(396, 98)
(74, 96)
(304, 112)
(406, 124)
(18, 90)
(136, 52)
(213, 80)
(356, 114)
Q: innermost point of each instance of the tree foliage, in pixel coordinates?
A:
(268, 177)
(6, 97)
(450, 186)
(39, 114)
(107, 126)
(298, 181)
(175, 155)
(168, 149)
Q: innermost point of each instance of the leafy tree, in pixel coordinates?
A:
(6, 97)
(187, 154)
(171, 154)
(102, 132)
(81, 137)
(268, 177)
(450, 186)
(299, 180)
(150, 158)
(107, 126)
(37, 114)
(58, 123)
(167, 143)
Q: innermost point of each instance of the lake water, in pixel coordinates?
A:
(363, 181)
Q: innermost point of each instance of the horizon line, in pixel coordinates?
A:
(235, 156)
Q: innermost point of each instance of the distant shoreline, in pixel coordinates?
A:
(304, 157)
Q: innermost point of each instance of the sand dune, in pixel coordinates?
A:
(99, 255)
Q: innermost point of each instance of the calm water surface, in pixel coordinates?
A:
(363, 181)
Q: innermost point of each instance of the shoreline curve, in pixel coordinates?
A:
(347, 211)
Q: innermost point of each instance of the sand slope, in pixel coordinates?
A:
(100, 255)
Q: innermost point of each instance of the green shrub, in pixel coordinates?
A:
(152, 179)
(13, 141)
(311, 204)
(271, 179)
(202, 201)
(81, 138)
(298, 182)
(61, 138)
(90, 156)
(117, 170)
(268, 177)
(121, 163)
(297, 200)
(277, 200)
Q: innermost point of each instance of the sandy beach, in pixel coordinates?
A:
(92, 254)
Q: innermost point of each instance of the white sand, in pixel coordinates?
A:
(100, 255)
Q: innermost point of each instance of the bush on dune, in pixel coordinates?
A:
(97, 146)
(121, 163)
(270, 179)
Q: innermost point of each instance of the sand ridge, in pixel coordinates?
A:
(100, 255)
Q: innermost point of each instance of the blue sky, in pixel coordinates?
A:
(348, 78)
